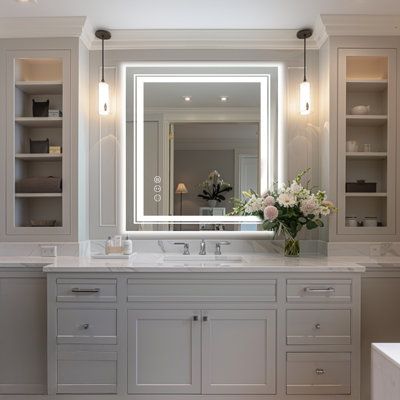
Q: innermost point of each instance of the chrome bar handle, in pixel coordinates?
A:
(87, 290)
(319, 290)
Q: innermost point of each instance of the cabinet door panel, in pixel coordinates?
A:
(239, 355)
(163, 352)
(22, 335)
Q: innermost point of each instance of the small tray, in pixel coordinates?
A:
(112, 256)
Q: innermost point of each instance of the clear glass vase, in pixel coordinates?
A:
(292, 247)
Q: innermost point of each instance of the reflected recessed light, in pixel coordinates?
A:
(187, 98)
(224, 99)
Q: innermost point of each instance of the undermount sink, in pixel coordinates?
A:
(206, 260)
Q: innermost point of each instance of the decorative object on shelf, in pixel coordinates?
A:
(55, 113)
(40, 108)
(104, 89)
(360, 186)
(212, 189)
(55, 150)
(351, 222)
(41, 184)
(42, 222)
(39, 146)
(351, 146)
(367, 148)
(360, 110)
(305, 88)
(181, 190)
(286, 210)
(371, 222)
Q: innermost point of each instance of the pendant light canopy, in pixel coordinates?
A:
(104, 89)
(305, 88)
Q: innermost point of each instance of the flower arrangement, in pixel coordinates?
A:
(213, 187)
(286, 210)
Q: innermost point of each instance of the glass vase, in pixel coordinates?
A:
(292, 247)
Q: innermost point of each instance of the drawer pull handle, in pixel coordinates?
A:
(317, 326)
(205, 318)
(195, 317)
(320, 371)
(85, 326)
(330, 290)
(79, 290)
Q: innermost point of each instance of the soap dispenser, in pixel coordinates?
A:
(127, 246)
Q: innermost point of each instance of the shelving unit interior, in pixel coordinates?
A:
(366, 144)
(38, 79)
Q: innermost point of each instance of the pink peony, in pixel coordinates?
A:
(269, 201)
(271, 213)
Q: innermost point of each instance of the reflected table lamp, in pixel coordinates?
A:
(181, 189)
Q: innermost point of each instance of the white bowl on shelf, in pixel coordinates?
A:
(360, 110)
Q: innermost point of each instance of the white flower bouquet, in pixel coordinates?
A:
(286, 210)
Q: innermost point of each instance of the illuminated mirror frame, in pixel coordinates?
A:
(265, 158)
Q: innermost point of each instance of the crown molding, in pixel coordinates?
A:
(358, 25)
(204, 39)
(196, 39)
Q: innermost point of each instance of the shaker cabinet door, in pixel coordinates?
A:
(164, 351)
(23, 342)
(239, 355)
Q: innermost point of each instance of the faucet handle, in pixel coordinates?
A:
(185, 245)
(218, 246)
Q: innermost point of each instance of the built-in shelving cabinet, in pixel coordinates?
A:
(36, 206)
(366, 141)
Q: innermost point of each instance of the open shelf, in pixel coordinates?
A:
(44, 122)
(358, 120)
(37, 195)
(39, 87)
(366, 85)
(360, 194)
(38, 157)
(378, 155)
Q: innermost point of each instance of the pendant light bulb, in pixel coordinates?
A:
(305, 87)
(104, 89)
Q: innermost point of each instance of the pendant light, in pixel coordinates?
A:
(305, 88)
(104, 89)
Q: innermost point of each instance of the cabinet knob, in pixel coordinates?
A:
(195, 317)
(317, 326)
(85, 326)
(320, 371)
(205, 318)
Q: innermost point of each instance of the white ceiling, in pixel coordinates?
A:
(198, 14)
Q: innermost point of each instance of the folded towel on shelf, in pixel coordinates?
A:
(40, 184)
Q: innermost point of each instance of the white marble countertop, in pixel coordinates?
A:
(152, 262)
(391, 351)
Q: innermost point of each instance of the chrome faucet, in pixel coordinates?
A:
(218, 247)
(203, 250)
(185, 245)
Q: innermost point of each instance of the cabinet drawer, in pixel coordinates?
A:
(318, 373)
(318, 327)
(86, 326)
(201, 290)
(318, 291)
(87, 290)
(87, 372)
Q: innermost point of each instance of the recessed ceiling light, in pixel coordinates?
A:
(224, 99)
(26, 1)
(187, 98)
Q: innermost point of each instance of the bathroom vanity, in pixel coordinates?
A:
(274, 329)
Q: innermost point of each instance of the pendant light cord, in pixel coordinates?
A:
(102, 59)
(305, 60)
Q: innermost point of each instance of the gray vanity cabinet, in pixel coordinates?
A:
(22, 333)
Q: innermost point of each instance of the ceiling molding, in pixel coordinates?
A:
(195, 39)
(360, 25)
(204, 39)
